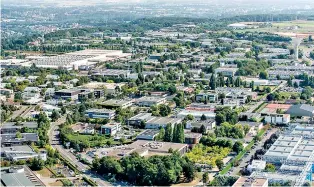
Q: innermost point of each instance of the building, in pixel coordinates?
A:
(211, 97)
(109, 88)
(196, 114)
(158, 122)
(74, 60)
(19, 176)
(11, 139)
(112, 73)
(257, 165)
(115, 103)
(21, 152)
(209, 124)
(12, 128)
(238, 26)
(139, 118)
(110, 128)
(150, 101)
(67, 94)
(100, 113)
(301, 110)
(277, 118)
(226, 71)
(251, 181)
(48, 109)
(149, 134)
(192, 138)
(143, 148)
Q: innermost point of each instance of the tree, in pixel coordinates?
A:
(219, 163)
(164, 110)
(263, 75)
(212, 83)
(63, 110)
(237, 147)
(161, 135)
(203, 129)
(203, 117)
(270, 167)
(168, 133)
(205, 177)
(36, 164)
(189, 171)
(268, 90)
(55, 115)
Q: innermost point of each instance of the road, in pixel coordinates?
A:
(54, 140)
(246, 158)
(263, 99)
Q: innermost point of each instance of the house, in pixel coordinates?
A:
(100, 113)
(150, 101)
(158, 122)
(110, 128)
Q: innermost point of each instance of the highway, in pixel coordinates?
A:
(54, 140)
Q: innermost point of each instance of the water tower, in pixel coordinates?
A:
(296, 42)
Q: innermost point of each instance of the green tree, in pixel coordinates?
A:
(55, 115)
(270, 167)
(205, 177)
(212, 83)
(219, 163)
(168, 133)
(238, 147)
(203, 117)
(263, 75)
(36, 164)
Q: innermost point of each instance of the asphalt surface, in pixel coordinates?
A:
(246, 158)
(54, 140)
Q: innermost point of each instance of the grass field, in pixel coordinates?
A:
(45, 172)
(304, 26)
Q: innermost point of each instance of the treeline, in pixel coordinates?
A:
(155, 170)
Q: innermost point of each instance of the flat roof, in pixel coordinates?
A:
(15, 179)
(98, 110)
(141, 116)
(94, 85)
(163, 120)
(116, 102)
(150, 99)
(250, 181)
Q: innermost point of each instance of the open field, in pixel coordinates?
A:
(287, 28)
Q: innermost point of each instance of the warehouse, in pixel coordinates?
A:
(76, 59)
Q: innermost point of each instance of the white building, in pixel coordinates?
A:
(277, 118)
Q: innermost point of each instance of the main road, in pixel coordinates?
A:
(54, 141)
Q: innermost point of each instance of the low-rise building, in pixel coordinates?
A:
(100, 113)
(12, 127)
(196, 114)
(149, 134)
(257, 165)
(150, 101)
(158, 122)
(110, 128)
(115, 103)
(12, 139)
(139, 118)
(192, 138)
(277, 118)
(251, 181)
(21, 152)
(209, 124)
(67, 94)
(226, 71)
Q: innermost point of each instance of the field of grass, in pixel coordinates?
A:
(304, 26)
(92, 140)
(44, 172)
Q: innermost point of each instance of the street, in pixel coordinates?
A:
(246, 158)
(54, 140)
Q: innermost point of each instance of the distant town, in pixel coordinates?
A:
(156, 101)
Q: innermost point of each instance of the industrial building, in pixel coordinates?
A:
(19, 176)
(100, 113)
(293, 152)
(157, 122)
(150, 101)
(21, 152)
(76, 59)
(115, 103)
